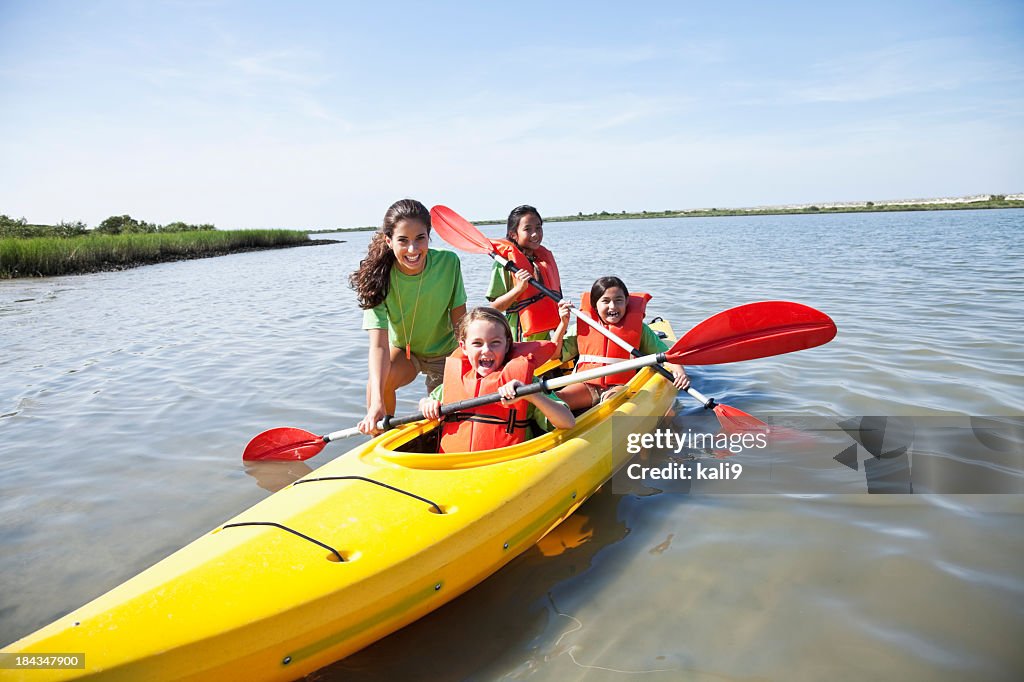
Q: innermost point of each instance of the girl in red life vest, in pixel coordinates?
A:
(530, 313)
(487, 361)
(611, 304)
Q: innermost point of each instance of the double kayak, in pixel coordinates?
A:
(346, 555)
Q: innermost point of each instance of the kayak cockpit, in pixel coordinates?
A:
(414, 446)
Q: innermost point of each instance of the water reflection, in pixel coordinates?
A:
(501, 617)
(273, 476)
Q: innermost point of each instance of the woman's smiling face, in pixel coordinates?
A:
(409, 241)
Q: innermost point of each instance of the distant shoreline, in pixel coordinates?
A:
(967, 203)
(981, 201)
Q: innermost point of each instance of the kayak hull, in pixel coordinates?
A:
(366, 544)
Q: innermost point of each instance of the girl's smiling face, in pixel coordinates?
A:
(611, 306)
(485, 345)
(409, 241)
(529, 233)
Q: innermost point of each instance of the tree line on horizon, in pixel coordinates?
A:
(116, 224)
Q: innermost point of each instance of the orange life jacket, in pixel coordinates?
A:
(537, 312)
(597, 351)
(495, 425)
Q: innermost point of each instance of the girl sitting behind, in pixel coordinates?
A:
(611, 304)
(530, 313)
(487, 361)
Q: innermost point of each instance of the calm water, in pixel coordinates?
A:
(126, 399)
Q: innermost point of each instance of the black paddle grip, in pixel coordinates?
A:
(550, 293)
(524, 390)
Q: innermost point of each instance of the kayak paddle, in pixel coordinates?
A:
(464, 236)
(757, 334)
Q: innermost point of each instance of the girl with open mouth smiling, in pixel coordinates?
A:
(487, 361)
(622, 313)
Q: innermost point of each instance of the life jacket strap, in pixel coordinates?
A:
(597, 360)
(518, 306)
(511, 424)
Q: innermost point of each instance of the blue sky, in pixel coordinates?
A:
(320, 114)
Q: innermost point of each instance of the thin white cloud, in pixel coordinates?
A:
(898, 70)
(290, 67)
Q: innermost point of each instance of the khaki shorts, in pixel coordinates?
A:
(599, 394)
(432, 367)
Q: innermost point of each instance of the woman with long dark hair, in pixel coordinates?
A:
(412, 297)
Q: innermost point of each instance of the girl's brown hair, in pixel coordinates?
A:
(487, 314)
(602, 285)
(373, 278)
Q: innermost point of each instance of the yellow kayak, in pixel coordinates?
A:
(364, 545)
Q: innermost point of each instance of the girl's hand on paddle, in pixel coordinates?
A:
(680, 381)
(563, 325)
(564, 306)
(508, 392)
(430, 408)
(520, 280)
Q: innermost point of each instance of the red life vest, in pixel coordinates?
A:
(537, 312)
(495, 425)
(597, 351)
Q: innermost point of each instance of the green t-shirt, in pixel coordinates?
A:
(417, 309)
(532, 412)
(649, 343)
(499, 286)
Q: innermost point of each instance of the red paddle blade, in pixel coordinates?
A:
(754, 330)
(458, 231)
(284, 443)
(737, 421)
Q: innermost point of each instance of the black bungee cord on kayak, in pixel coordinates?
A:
(335, 552)
(433, 504)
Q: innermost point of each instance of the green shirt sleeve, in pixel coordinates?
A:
(650, 343)
(499, 284)
(458, 287)
(570, 347)
(375, 318)
(534, 414)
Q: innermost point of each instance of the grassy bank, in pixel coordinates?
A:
(46, 256)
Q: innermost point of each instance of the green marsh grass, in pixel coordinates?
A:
(46, 256)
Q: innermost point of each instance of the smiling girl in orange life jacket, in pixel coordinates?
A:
(530, 313)
(487, 361)
(611, 304)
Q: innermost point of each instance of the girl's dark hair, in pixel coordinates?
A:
(602, 285)
(515, 216)
(373, 278)
(487, 314)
